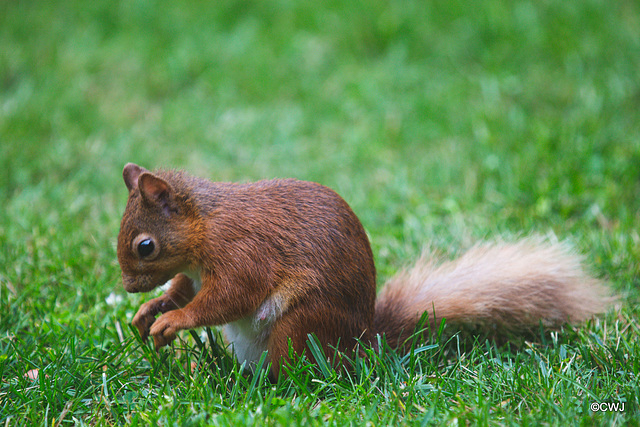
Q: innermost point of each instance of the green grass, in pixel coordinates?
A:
(441, 123)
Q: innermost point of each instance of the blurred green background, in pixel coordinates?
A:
(437, 121)
(441, 123)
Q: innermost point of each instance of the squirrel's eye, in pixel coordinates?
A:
(145, 248)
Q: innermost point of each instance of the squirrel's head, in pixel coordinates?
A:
(153, 243)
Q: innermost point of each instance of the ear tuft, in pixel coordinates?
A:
(131, 173)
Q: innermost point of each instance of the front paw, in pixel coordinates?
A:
(145, 317)
(165, 328)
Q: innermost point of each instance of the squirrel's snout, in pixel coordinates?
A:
(132, 284)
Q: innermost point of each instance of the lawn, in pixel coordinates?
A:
(440, 123)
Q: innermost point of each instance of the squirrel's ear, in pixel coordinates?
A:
(131, 173)
(156, 190)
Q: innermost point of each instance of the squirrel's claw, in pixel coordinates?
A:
(165, 328)
(160, 341)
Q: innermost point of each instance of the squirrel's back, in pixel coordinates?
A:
(303, 241)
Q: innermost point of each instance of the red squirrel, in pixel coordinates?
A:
(274, 261)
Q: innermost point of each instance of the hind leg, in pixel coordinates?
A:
(285, 332)
(335, 331)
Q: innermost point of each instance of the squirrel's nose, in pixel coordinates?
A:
(131, 283)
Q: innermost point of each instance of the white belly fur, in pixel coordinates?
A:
(249, 336)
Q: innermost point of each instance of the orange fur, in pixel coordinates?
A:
(513, 286)
(278, 260)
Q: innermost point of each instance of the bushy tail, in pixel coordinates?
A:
(513, 286)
